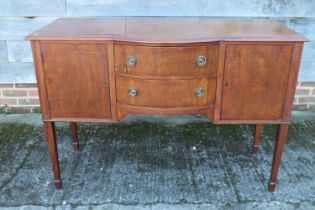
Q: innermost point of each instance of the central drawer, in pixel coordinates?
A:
(167, 61)
(165, 93)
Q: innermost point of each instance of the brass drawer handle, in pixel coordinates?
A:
(131, 60)
(199, 92)
(201, 60)
(132, 91)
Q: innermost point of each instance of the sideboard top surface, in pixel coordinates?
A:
(165, 30)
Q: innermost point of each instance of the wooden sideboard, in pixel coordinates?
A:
(102, 69)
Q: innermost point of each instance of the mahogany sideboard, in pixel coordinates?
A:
(229, 70)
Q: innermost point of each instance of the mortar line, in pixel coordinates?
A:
(66, 8)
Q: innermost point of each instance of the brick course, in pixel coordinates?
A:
(23, 97)
(14, 93)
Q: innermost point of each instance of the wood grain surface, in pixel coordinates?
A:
(165, 30)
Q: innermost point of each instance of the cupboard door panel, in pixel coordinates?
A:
(76, 80)
(255, 81)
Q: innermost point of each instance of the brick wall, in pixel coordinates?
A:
(304, 96)
(23, 98)
(19, 98)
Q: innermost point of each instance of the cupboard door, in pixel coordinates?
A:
(76, 77)
(255, 81)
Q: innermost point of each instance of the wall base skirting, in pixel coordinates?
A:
(23, 97)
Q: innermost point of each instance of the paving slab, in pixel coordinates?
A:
(155, 162)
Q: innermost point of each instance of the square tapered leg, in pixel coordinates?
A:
(256, 138)
(279, 146)
(49, 128)
(74, 135)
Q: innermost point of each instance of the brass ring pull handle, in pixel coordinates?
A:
(132, 91)
(131, 60)
(201, 60)
(199, 92)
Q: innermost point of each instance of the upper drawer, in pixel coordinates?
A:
(167, 61)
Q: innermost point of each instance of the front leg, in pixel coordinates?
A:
(49, 128)
(279, 145)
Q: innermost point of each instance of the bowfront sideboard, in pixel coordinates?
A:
(230, 71)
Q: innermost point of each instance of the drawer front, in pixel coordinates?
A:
(166, 61)
(165, 93)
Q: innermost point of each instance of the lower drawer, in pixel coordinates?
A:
(165, 93)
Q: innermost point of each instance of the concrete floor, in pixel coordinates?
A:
(156, 163)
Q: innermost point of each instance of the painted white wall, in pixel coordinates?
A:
(20, 18)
